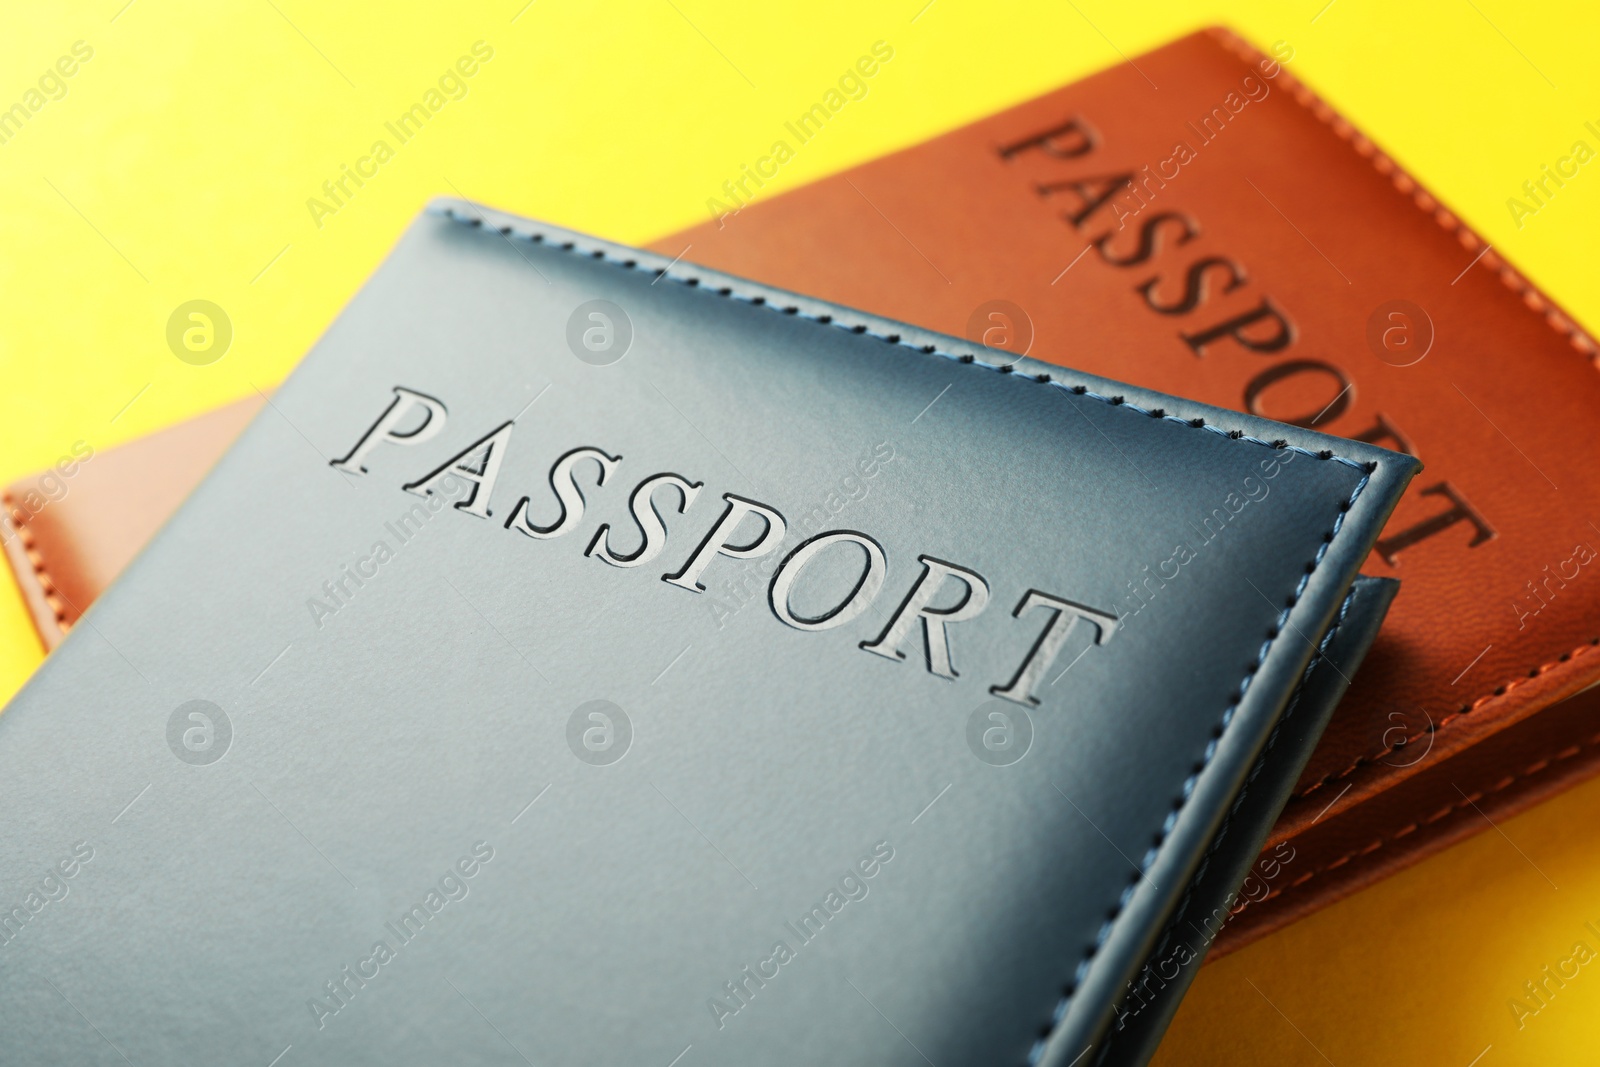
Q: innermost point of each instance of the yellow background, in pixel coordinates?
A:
(179, 163)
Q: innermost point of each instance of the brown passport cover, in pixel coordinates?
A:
(70, 530)
(1198, 221)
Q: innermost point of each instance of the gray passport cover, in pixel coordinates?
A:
(587, 658)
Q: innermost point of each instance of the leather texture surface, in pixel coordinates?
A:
(1051, 227)
(429, 719)
(905, 253)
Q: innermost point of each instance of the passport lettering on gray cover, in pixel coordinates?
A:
(586, 658)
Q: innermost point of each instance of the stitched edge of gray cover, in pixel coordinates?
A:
(1234, 865)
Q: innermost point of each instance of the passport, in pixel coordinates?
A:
(1229, 209)
(418, 734)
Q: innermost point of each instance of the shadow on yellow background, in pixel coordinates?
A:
(177, 160)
